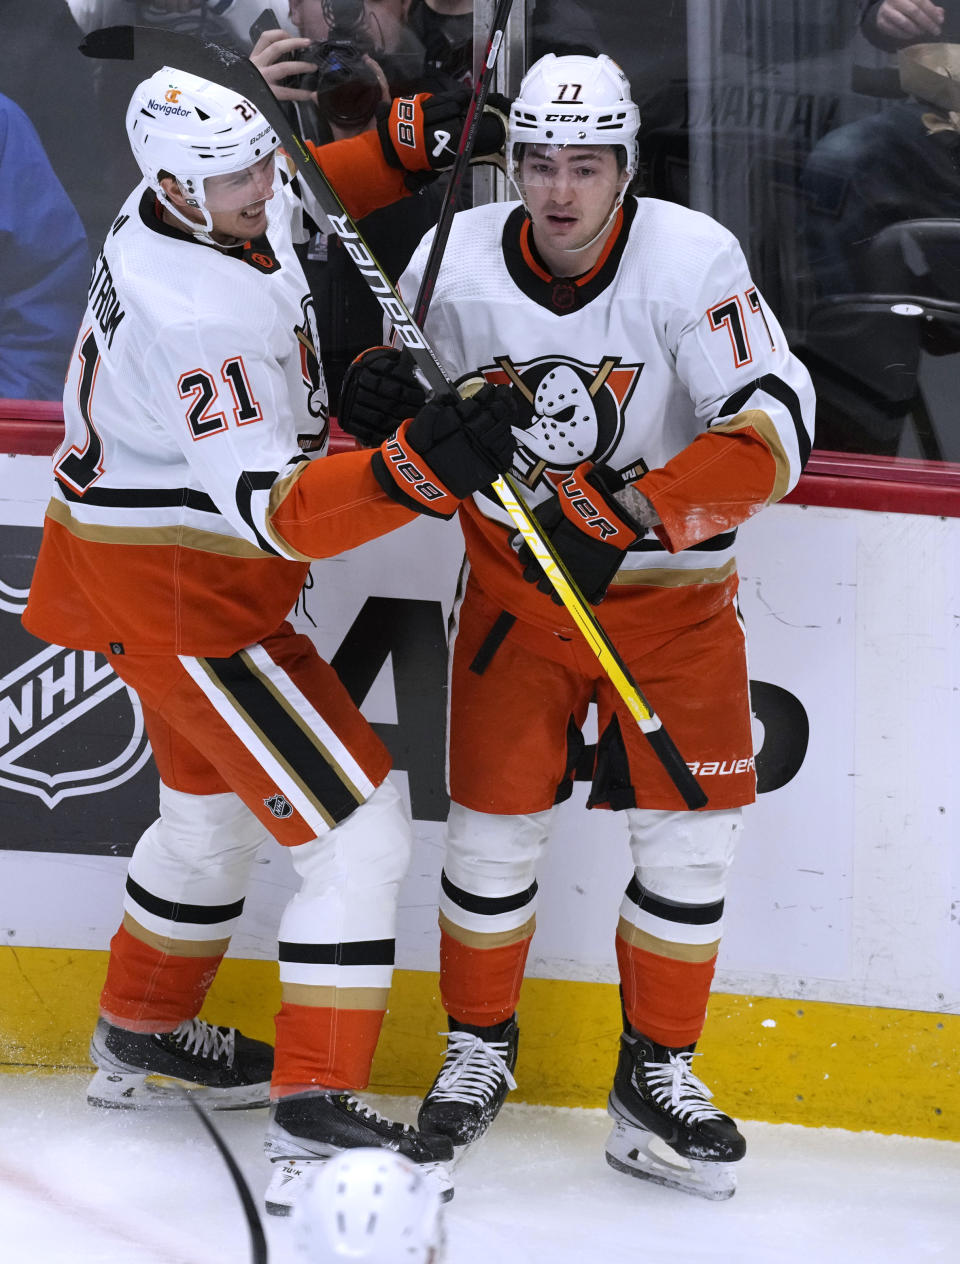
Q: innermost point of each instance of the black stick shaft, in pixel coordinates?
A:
(468, 138)
(258, 1241)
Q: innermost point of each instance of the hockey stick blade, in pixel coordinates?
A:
(148, 43)
(156, 47)
(114, 43)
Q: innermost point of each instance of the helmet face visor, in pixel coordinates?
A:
(586, 168)
(235, 190)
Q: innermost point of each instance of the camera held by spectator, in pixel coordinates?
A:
(345, 81)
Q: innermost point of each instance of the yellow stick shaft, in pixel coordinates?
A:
(578, 607)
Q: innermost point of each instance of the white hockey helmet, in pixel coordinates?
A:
(192, 128)
(370, 1206)
(574, 100)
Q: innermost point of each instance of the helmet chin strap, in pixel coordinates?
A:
(575, 250)
(202, 231)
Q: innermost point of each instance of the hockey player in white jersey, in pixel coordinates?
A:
(184, 517)
(660, 408)
(369, 1206)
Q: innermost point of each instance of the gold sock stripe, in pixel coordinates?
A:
(175, 947)
(480, 939)
(333, 997)
(637, 938)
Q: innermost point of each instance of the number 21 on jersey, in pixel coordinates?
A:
(200, 388)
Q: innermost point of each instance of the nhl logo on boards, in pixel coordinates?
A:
(278, 806)
(69, 726)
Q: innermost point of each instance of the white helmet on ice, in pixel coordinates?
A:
(575, 100)
(370, 1206)
(191, 128)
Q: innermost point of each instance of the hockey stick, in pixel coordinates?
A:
(468, 138)
(233, 70)
(258, 1241)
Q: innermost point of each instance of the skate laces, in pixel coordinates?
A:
(472, 1069)
(674, 1082)
(204, 1040)
(357, 1106)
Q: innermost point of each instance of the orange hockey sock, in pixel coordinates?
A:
(151, 990)
(481, 986)
(323, 1047)
(664, 998)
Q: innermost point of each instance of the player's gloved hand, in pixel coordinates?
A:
(422, 132)
(452, 448)
(379, 391)
(588, 528)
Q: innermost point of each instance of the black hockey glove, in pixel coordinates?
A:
(590, 531)
(379, 391)
(422, 132)
(452, 448)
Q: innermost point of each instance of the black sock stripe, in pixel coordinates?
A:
(364, 952)
(673, 910)
(294, 745)
(487, 905)
(783, 394)
(201, 914)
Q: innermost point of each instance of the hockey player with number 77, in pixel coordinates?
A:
(185, 512)
(660, 408)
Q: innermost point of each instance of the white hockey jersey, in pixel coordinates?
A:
(185, 512)
(663, 361)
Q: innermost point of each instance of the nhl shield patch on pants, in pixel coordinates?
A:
(279, 806)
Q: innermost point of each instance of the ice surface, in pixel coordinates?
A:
(81, 1186)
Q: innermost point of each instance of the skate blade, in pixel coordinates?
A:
(122, 1090)
(290, 1174)
(630, 1150)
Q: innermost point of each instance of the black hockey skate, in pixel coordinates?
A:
(226, 1070)
(308, 1128)
(476, 1075)
(656, 1095)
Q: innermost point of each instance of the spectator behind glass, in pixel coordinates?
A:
(349, 315)
(893, 24)
(565, 27)
(859, 180)
(381, 27)
(44, 265)
(223, 21)
(445, 29)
